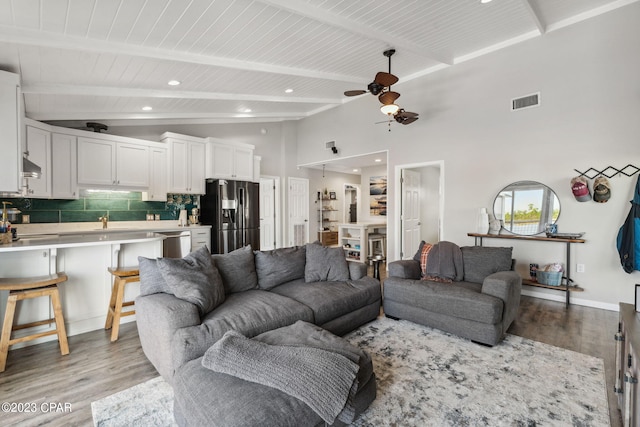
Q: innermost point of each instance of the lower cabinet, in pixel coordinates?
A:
(627, 365)
(328, 238)
(200, 237)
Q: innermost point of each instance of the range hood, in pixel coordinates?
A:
(30, 169)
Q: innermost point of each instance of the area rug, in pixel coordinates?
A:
(426, 377)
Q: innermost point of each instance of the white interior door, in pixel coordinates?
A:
(267, 214)
(298, 211)
(410, 216)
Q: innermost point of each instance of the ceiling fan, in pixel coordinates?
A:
(387, 97)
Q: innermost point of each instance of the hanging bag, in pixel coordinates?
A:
(628, 240)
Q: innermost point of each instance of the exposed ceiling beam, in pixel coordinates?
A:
(67, 89)
(29, 37)
(95, 115)
(324, 16)
(534, 11)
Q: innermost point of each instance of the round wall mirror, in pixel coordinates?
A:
(526, 207)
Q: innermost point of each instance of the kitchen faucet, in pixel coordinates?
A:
(104, 219)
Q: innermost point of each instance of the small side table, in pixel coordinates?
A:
(376, 266)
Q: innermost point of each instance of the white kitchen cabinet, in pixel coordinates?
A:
(10, 145)
(230, 161)
(38, 150)
(96, 162)
(64, 178)
(157, 176)
(186, 163)
(200, 237)
(112, 164)
(132, 165)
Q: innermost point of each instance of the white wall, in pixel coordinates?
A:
(588, 78)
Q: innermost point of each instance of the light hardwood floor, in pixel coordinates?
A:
(96, 368)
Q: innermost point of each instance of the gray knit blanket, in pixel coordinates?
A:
(324, 380)
(445, 261)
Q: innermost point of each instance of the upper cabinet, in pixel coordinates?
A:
(11, 158)
(64, 177)
(157, 176)
(229, 161)
(109, 163)
(38, 150)
(186, 163)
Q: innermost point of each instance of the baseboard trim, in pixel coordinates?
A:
(574, 300)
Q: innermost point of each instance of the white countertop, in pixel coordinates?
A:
(25, 230)
(50, 241)
(363, 224)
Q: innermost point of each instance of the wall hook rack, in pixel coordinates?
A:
(609, 171)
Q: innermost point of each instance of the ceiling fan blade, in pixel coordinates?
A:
(407, 114)
(354, 92)
(409, 120)
(388, 97)
(385, 79)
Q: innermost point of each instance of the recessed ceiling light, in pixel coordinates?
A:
(355, 170)
(485, 1)
(288, 90)
(147, 108)
(173, 82)
(378, 160)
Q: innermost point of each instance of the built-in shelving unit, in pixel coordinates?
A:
(567, 287)
(354, 239)
(327, 221)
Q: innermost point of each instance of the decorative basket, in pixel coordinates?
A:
(551, 278)
(5, 238)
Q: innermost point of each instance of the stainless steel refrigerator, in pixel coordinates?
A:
(232, 209)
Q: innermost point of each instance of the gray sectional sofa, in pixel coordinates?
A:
(186, 305)
(480, 305)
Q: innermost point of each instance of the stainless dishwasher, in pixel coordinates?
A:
(176, 244)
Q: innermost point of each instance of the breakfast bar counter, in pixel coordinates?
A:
(85, 258)
(51, 241)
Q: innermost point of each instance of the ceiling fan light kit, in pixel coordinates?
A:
(387, 97)
(389, 109)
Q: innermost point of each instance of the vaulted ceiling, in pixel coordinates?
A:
(235, 59)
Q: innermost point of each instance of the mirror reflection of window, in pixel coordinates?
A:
(526, 207)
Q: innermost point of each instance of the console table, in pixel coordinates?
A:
(567, 288)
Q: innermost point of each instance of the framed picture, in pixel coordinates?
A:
(378, 195)
(638, 298)
(332, 195)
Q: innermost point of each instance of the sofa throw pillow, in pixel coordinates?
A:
(280, 266)
(481, 261)
(325, 264)
(194, 278)
(238, 270)
(151, 279)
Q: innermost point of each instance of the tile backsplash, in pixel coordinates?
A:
(92, 204)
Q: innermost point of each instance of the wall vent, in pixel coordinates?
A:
(527, 101)
(329, 145)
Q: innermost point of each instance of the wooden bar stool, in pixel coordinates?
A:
(26, 288)
(122, 276)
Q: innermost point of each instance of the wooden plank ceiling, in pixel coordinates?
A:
(107, 59)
